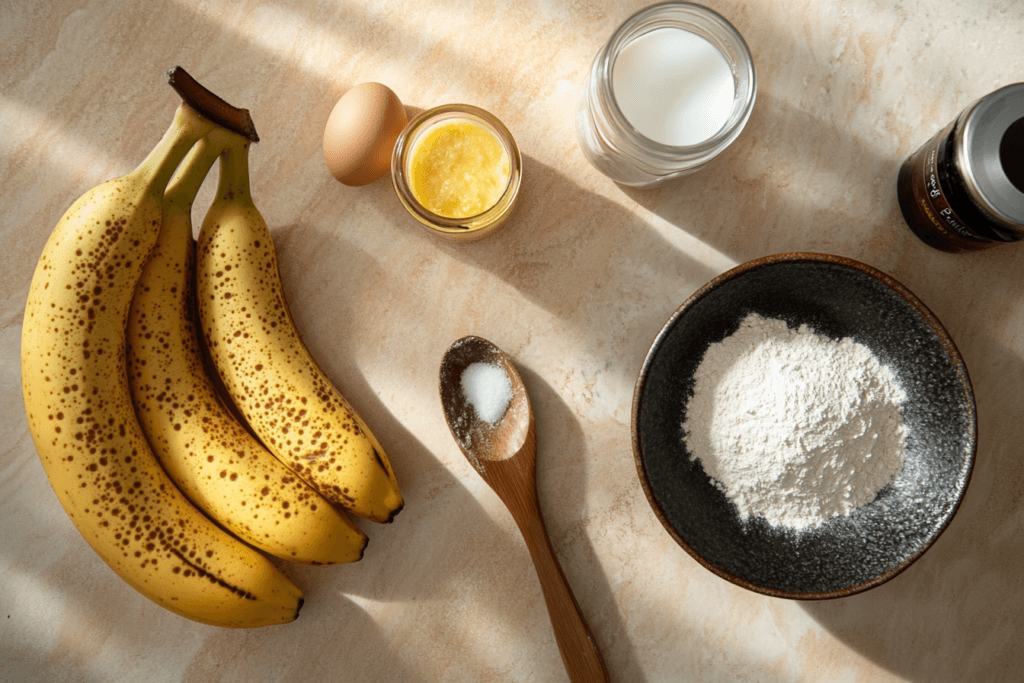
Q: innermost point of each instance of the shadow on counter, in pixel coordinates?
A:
(582, 256)
(354, 648)
(953, 615)
(956, 614)
(413, 561)
(601, 270)
(612, 280)
(562, 475)
(791, 182)
(418, 565)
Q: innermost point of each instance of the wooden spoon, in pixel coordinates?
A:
(505, 455)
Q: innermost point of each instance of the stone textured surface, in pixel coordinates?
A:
(575, 288)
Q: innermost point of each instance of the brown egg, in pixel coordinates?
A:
(361, 133)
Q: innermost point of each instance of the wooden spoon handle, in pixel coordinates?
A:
(576, 644)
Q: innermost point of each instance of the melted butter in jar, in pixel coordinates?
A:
(458, 169)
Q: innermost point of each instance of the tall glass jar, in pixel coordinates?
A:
(614, 145)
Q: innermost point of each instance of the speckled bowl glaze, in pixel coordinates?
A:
(837, 297)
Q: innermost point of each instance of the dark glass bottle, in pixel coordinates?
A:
(963, 190)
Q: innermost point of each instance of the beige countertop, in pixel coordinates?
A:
(575, 288)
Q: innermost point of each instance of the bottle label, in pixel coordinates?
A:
(925, 203)
(939, 203)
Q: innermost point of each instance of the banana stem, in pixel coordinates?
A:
(234, 172)
(156, 169)
(193, 170)
(197, 116)
(210, 105)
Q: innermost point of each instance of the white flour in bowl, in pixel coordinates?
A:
(793, 426)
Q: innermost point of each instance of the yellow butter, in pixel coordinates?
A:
(458, 169)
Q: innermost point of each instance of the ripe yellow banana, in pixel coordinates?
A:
(266, 368)
(207, 453)
(75, 386)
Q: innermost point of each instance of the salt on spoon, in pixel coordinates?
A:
(485, 403)
(487, 388)
(488, 411)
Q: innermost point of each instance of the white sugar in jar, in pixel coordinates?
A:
(671, 89)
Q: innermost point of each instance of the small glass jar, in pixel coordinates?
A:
(469, 228)
(614, 146)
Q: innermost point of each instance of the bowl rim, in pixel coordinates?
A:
(916, 304)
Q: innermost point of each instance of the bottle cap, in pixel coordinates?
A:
(989, 151)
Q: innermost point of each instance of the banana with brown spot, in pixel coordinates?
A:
(75, 387)
(223, 470)
(268, 371)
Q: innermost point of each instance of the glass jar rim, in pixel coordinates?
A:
(673, 15)
(405, 144)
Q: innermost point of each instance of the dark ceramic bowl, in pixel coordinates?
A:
(839, 298)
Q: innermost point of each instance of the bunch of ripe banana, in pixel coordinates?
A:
(181, 453)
